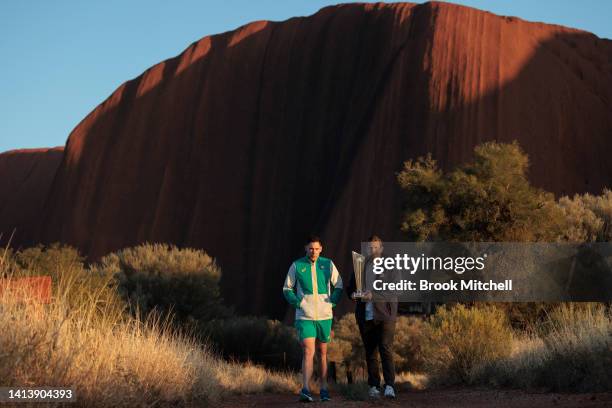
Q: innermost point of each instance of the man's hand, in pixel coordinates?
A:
(365, 296)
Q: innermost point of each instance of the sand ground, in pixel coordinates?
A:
(441, 398)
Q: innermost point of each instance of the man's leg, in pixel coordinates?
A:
(370, 338)
(308, 349)
(322, 349)
(386, 352)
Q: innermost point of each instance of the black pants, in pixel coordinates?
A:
(378, 334)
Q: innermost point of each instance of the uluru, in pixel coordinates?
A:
(24, 185)
(251, 139)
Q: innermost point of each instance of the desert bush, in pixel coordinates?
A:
(458, 340)
(184, 284)
(408, 344)
(520, 369)
(181, 282)
(121, 362)
(255, 339)
(588, 217)
(572, 351)
(53, 260)
(77, 287)
(487, 200)
(579, 346)
(107, 363)
(526, 316)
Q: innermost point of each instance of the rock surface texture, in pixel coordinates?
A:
(25, 178)
(251, 139)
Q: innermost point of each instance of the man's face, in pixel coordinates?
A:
(375, 248)
(313, 250)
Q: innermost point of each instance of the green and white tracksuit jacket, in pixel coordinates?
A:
(308, 287)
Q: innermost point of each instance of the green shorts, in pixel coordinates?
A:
(320, 329)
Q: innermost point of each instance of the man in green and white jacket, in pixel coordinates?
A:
(313, 286)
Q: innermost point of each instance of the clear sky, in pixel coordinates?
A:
(60, 59)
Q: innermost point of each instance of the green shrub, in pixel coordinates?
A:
(184, 283)
(53, 260)
(487, 200)
(458, 340)
(169, 280)
(76, 286)
(255, 339)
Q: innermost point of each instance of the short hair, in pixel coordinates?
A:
(373, 238)
(313, 238)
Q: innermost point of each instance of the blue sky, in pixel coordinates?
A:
(60, 59)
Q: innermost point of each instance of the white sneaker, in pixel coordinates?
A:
(373, 392)
(389, 392)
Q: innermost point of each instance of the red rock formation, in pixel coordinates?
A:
(251, 139)
(25, 179)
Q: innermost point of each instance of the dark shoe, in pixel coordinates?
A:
(325, 395)
(306, 396)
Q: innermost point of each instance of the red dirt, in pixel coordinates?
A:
(458, 398)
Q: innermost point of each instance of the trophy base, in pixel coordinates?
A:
(358, 295)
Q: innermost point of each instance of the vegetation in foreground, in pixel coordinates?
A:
(85, 340)
(570, 350)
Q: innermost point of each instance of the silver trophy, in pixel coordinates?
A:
(358, 266)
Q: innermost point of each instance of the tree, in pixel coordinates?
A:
(487, 200)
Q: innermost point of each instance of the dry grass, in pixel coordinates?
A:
(414, 381)
(458, 340)
(247, 379)
(571, 352)
(114, 360)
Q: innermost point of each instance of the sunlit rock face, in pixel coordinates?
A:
(251, 139)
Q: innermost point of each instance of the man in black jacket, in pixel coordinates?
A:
(376, 322)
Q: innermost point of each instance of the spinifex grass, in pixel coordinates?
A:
(84, 340)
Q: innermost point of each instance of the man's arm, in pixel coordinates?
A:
(288, 288)
(336, 281)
